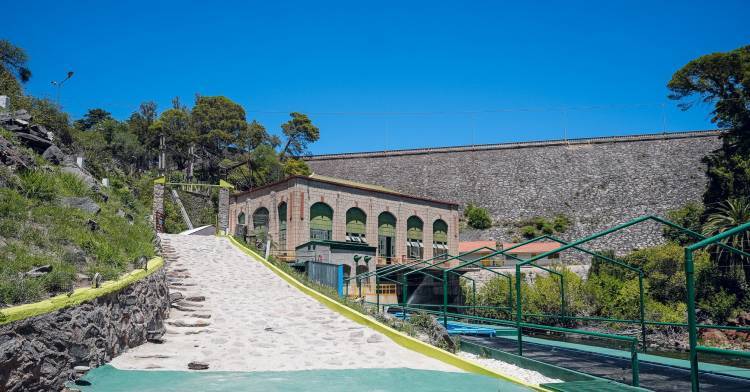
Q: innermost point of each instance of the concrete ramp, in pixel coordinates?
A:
(233, 317)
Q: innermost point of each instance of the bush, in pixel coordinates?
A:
(664, 268)
(688, 217)
(719, 306)
(538, 226)
(36, 184)
(544, 294)
(477, 217)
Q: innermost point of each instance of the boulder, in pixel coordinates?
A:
(174, 297)
(34, 142)
(714, 337)
(82, 203)
(39, 271)
(85, 176)
(53, 155)
(92, 224)
(195, 365)
(11, 156)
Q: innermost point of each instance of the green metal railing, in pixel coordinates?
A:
(632, 342)
(690, 299)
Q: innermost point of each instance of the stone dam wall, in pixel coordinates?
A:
(39, 353)
(596, 182)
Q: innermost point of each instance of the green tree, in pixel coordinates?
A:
(296, 167)
(728, 215)
(477, 217)
(13, 61)
(252, 136)
(179, 135)
(218, 123)
(140, 124)
(299, 132)
(721, 79)
(91, 118)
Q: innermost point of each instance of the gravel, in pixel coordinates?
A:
(519, 373)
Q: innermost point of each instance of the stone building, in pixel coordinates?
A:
(299, 209)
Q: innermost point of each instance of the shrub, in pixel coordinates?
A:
(544, 294)
(689, 217)
(538, 225)
(664, 268)
(36, 184)
(528, 232)
(719, 306)
(477, 217)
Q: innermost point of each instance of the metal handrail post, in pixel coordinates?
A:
(445, 299)
(518, 309)
(643, 311)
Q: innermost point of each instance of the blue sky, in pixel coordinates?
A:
(386, 75)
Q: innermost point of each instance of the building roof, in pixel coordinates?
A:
(468, 246)
(534, 247)
(353, 184)
(349, 184)
(339, 245)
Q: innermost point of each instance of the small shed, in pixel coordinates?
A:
(339, 253)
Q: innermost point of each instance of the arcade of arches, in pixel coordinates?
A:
(401, 227)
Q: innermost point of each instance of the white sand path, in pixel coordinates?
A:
(257, 321)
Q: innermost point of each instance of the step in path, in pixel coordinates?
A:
(231, 313)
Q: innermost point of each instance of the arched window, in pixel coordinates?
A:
(414, 246)
(439, 238)
(347, 271)
(282, 225)
(356, 225)
(361, 269)
(321, 221)
(240, 230)
(387, 236)
(260, 221)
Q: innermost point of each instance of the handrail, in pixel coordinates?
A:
(631, 340)
(690, 299)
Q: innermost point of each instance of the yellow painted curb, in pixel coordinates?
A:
(397, 336)
(79, 296)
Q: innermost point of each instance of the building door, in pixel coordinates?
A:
(387, 236)
(386, 247)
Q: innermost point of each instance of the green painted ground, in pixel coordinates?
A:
(109, 379)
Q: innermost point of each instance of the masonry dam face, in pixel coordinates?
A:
(597, 182)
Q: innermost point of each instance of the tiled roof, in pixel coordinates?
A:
(467, 246)
(534, 247)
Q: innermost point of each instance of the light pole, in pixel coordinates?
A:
(60, 84)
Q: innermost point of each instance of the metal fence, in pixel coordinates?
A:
(331, 275)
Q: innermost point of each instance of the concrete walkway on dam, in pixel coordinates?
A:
(237, 316)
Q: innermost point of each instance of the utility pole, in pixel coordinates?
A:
(162, 154)
(191, 167)
(59, 86)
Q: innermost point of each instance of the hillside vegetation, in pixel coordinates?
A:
(40, 227)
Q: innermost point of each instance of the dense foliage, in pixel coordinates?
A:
(538, 226)
(38, 228)
(477, 217)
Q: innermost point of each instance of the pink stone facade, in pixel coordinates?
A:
(299, 193)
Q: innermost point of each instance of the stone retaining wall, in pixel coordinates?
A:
(597, 183)
(39, 353)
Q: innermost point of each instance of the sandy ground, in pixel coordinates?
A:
(252, 320)
(525, 375)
